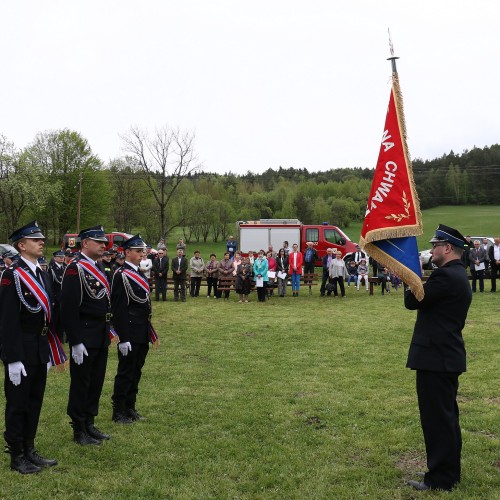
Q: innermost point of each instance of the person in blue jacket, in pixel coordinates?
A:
(260, 267)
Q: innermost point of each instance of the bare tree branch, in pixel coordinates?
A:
(165, 159)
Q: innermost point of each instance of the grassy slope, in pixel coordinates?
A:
(476, 221)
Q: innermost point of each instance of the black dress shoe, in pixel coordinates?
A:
(418, 485)
(134, 415)
(22, 465)
(36, 459)
(121, 418)
(83, 438)
(94, 432)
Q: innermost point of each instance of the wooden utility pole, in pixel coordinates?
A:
(80, 179)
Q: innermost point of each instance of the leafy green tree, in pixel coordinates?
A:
(24, 188)
(68, 161)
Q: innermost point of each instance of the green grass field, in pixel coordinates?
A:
(297, 398)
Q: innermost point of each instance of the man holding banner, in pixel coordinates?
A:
(437, 353)
(131, 306)
(26, 339)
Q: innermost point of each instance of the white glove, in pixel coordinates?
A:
(15, 371)
(49, 366)
(125, 347)
(77, 352)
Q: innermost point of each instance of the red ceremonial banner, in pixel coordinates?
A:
(393, 203)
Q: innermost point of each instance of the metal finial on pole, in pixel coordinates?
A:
(393, 57)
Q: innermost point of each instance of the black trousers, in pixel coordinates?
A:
(212, 283)
(195, 286)
(495, 270)
(308, 269)
(340, 281)
(262, 292)
(160, 286)
(128, 375)
(439, 416)
(86, 384)
(24, 403)
(477, 275)
(324, 280)
(179, 284)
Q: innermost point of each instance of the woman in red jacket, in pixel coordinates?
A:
(295, 263)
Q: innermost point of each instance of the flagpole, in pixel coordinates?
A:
(393, 218)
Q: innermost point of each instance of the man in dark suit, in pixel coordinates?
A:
(477, 259)
(25, 298)
(437, 353)
(325, 264)
(179, 269)
(494, 257)
(160, 268)
(85, 309)
(131, 307)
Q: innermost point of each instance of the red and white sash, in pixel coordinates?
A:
(95, 272)
(56, 351)
(37, 290)
(143, 283)
(137, 278)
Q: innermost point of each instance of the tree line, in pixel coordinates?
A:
(158, 186)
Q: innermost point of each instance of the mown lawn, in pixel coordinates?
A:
(297, 398)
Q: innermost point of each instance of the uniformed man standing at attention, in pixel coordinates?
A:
(25, 313)
(131, 306)
(86, 313)
(437, 353)
(56, 272)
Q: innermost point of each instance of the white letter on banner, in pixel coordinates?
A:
(387, 145)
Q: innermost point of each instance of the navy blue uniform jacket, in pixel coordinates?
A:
(437, 343)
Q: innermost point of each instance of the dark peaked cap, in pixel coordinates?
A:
(450, 235)
(30, 230)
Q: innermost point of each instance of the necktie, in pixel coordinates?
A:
(39, 276)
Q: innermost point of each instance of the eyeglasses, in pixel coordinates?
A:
(434, 245)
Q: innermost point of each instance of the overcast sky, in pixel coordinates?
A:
(263, 84)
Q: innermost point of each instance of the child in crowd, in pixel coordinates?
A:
(395, 280)
(384, 277)
(362, 273)
(352, 273)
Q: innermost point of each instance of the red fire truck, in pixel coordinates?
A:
(115, 239)
(259, 234)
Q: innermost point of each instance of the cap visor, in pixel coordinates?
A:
(35, 236)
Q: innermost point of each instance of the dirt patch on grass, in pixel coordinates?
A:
(492, 401)
(315, 421)
(487, 434)
(196, 357)
(248, 334)
(305, 394)
(411, 462)
(497, 465)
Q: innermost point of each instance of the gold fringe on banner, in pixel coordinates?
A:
(406, 275)
(398, 99)
(60, 368)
